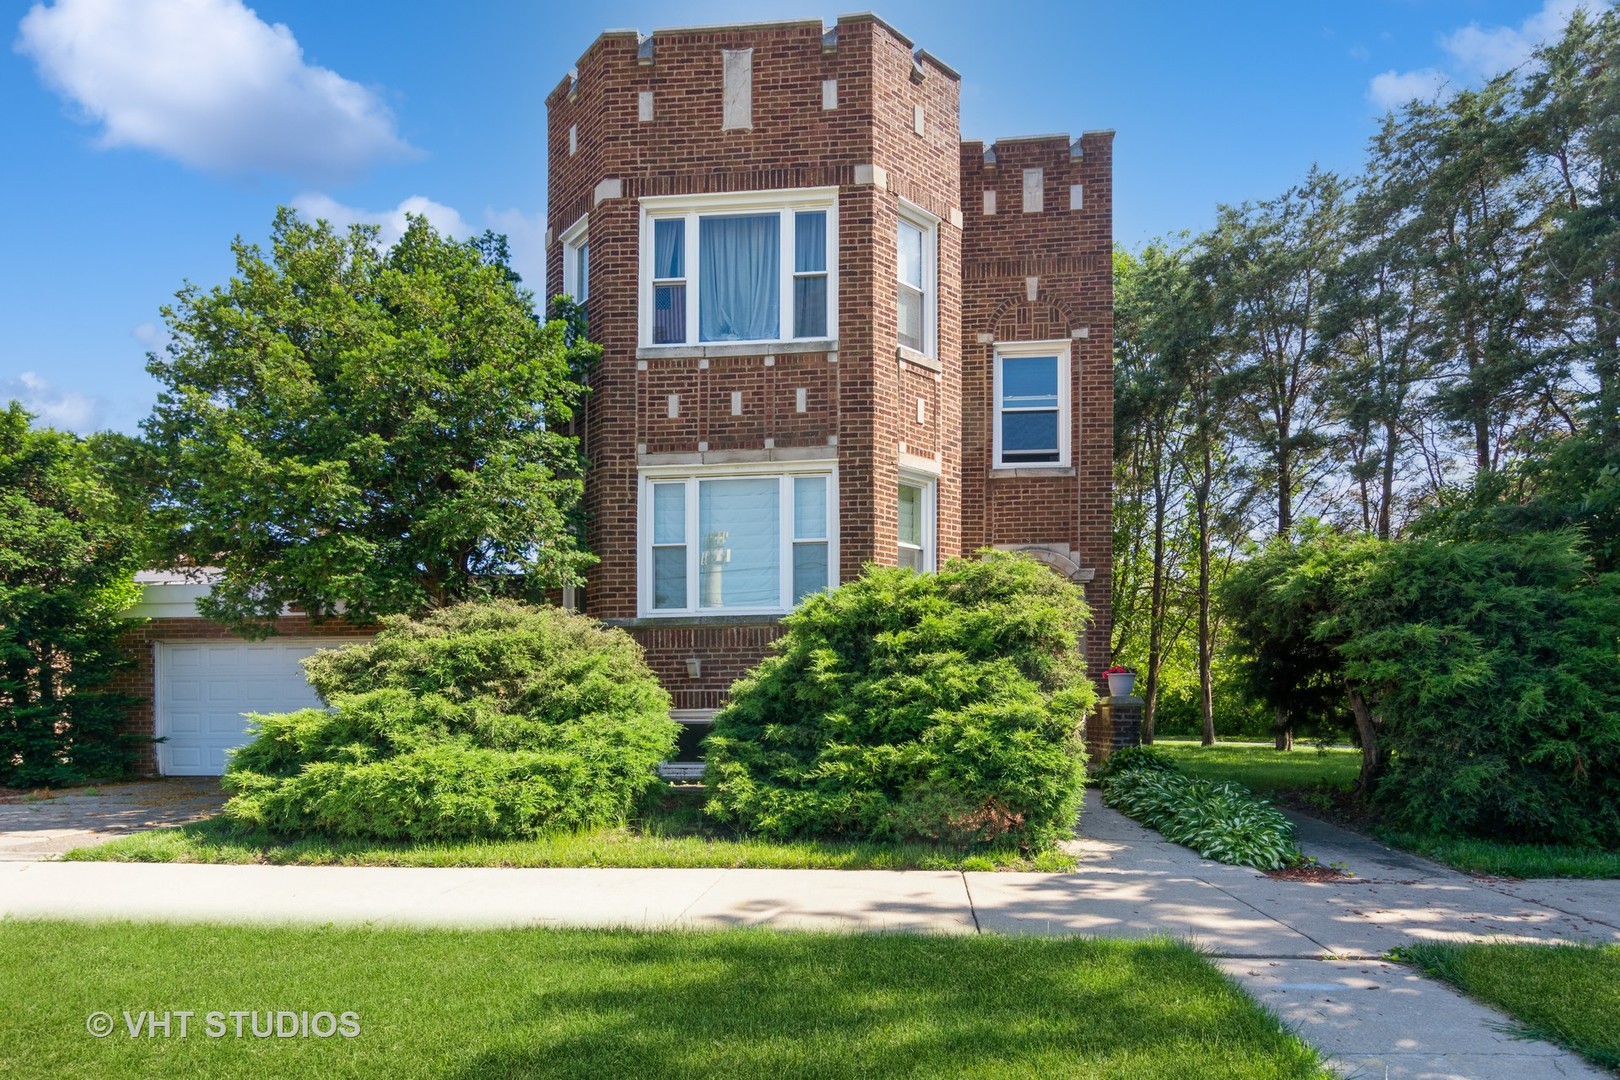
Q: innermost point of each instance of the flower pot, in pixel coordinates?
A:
(1122, 683)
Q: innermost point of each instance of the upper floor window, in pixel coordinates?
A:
(1032, 404)
(577, 260)
(756, 267)
(915, 241)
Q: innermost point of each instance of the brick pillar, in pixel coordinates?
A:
(1117, 723)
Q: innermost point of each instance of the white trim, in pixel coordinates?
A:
(1063, 349)
(919, 218)
(692, 474)
(783, 201)
(573, 238)
(929, 485)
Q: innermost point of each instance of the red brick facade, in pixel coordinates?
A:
(646, 117)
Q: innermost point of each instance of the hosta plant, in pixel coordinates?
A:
(1220, 821)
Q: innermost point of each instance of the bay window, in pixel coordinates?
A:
(752, 267)
(726, 543)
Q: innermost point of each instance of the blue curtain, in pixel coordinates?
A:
(739, 278)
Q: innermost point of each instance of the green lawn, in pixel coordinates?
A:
(674, 833)
(1568, 994)
(1508, 860)
(1264, 769)
(741, 1003)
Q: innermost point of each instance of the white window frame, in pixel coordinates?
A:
(916, 216)
(930, 520)
(575, 237)
(691, 208)
(1063, 350)
(785, 471)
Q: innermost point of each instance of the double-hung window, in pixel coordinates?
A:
(730, 543)
(915, 237)
(1032, 404)
(754, 267)
(577, 260)
(917, 522)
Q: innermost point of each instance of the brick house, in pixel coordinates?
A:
(834, 333)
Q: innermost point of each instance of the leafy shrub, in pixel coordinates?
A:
(492, 720)
(1495, 671)
(940, 706)
(66, 557)
(1220, 821)
(1127, 758)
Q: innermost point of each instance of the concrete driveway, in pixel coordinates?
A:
(39, 825)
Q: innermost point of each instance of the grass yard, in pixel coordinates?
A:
(545, 1003)
(1568, 994)
(1263, 769)
(674, 833)
(1509, 860)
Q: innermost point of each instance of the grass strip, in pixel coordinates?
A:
(547, 1003)
(1567, 994)
(672, 833)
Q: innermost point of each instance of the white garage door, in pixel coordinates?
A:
(203, 689)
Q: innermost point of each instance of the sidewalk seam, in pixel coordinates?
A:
(1266, 915)
(973, 909)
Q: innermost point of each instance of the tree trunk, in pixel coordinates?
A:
(1206, 686)
(1387, 494)
(1156, 605)
(1372, 757)
(1283, 728)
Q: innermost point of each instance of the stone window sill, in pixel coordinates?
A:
(912, 356)
(718, 349)
(1031, 472)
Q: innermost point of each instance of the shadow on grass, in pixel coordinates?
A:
(769, 1006)
(671, 831)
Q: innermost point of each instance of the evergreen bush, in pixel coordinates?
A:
(942, 707)
(483, 720)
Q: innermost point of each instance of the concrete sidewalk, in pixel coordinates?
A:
(1309, 950)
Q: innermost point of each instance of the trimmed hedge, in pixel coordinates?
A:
(1220, 821)
(943, 707)
(484, 720)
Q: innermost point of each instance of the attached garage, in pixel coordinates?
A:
(204, 689)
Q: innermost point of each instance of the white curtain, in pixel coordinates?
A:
(740, 530)
(739, 274)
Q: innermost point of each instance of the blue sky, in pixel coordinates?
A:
(145, 134)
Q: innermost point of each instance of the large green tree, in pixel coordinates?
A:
(363, 431)
(65, 574)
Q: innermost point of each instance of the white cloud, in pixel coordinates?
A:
(66, 409)
(446, 219)
(210, 84)
(1475, 53)
(1483, 52)
(151, 335)
(525, 233)
(1393, 89)
(526, 242)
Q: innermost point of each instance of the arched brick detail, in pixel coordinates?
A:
(1017, 319)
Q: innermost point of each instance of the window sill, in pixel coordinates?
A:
(645, 622)
(912, 356)
(1030, 472)
(756, 348)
